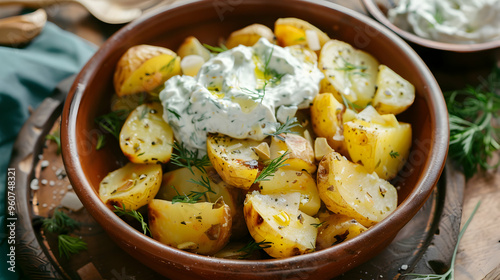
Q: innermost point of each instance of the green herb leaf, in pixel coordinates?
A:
(69, 245)
(59, 223)
(112, 122)
(56, 137)
(285, 128)
(133, 214)
(101, 141)
(213, 49)
(271, 168)
(317, 225)
(352, 69)
(189, 159)
(253, 246)
(448, 275)
(472, 114)
(394, 154)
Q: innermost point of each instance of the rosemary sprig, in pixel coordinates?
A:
(189, 159)
(271, 168)
(221, 48)
(112, 122)
(56, 137)
(472, 114)
(448, 275)
(285, 128)
(253, 246)
(69, 245)
(133, 214)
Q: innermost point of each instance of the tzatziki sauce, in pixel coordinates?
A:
(238, 93)
(449, 21)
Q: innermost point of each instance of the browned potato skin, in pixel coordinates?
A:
(335, 229)
(249, 35)
(300, 152)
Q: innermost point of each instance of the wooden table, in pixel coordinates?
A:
(479, 251)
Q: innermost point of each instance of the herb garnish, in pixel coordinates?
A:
(168, 65)
(189, 159)
(221, 48)
(271, 168)
(112, 122)
(472, 112)
(352, 69)
(394, 154)
(253, 246)
(194, 196)
(285, 128)
(317, 225)
(101, 141)
(134, 214)
(448, 275)
(349, 105)
(61, 224)
(56, 137)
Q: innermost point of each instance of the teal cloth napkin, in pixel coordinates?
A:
(27, 76)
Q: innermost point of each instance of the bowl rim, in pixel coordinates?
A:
(373, 9)
(405, 211)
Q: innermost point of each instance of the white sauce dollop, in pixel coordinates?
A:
(449, 21)
(226, 95)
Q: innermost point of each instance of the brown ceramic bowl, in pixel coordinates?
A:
(379, 8)
(209, 21)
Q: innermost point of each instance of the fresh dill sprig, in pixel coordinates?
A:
(101, 141)
(194, 196)
(61, 224)
(257, 94)
(56, 137)
(253, 246)
(394, 154)
(271, 168)
(133, 214)
(448, 275)
(472, 115)
(69, 245)
(221, 48)
(169, 65)
(349, 105)
(285, 128)
(317, 225)
(352, 69)
(112, 122)
(189, 159)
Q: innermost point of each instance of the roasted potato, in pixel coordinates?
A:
(379, 142)
(394, 94)
(321, 148)
(249, 35)
(349, 73)
(335, 229)
(192, 46)
(234, 159)
(143, 68)
(180, 182)
(146, 137)
(286, 181)
(202, 228)
(132, 186)
(347, 188)
(327, 120)
(277, 219)
(300, 152)
(292, 31)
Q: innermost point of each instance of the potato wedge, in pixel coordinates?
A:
(249, 35)
(192, 46)
(349, 72)
(394, 94)
(178, 182)
(292, 31)
(144, 68)
(132, 186)
(286, 181)
(347, 188)
(202, 228)
(336, 229)
(379, 142)
(300, 152)
(277, 219)
(234, 159)
(146, 137)
(327, 120)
